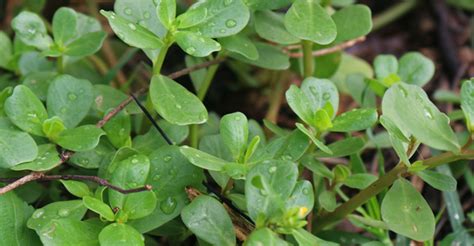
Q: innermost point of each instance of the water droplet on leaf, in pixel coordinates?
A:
(168, 205)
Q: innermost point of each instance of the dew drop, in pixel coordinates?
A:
(128, 11)
(167, 158)
(191, 50)
(142, 23)
(132, 26)
(211, 24)
(305, 191)
(178, 106)
(222, 31)
(272, 169)
(168, 205)
(146, 15)
(230, 23)
(134, 161)
(428, 113)
(172, 172)
(38, 213)
(156, 177)
(404, 91)
(263, 192)
(63, 212)
(228, 2)
(63, 110)
(72, 96)
(326, 96)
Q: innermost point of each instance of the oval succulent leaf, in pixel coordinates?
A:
(16, 147)
(415, 68)
(196, 45)
(82, 138)
(355, 120)
(30, 29)
(48, 158)
(467, 102)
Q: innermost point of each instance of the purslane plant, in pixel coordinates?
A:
(226, 180)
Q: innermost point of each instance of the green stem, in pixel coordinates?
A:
(392, 14)
(60, 64)
(308, 61)
(384, 182)
(160, 59)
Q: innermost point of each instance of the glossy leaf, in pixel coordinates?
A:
(175, 103)
(70, 99)
(438, 180)
(73, 209)
(202, 159)
(120, 235)
(385, 65)
(327, 199)
(77, 188)
(234, 133)
(241, 45)
(139, 205)
(321, 92)
(360, 180)
(6, 53)
(415, 68)
(407, 213)
(48, 158)
(352, 22)
(15, 213)
(82, 138)
(166, 11)
(86, 45)
(424, 120)
(302, 198)
(270, 26)
(207, 218)
(26, 111)
(52, 127)
(305, 238)
(343, 147)
(264, 236)
(467, 102)
(30, 29)
(313, 138)
(70, 232)
(17, 147)
(196, 45)
(264, 4)
(118, 130)
(308, 20)
(269, 57)
(64, 25)
(141, 12)
(355, 120)
(99, 207)
(300, 104)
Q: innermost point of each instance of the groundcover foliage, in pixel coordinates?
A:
(128, 170)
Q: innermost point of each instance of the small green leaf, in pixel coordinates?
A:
(70, 99)
(343, 147)
(407, 213)
(352, 22)
(141, 12)
(86, 45)
(26, 111)
(120, 234)
(30, 29)
(64, 25)
(6, 53)
(203, 159)
(175, 103)
(77, 188)
(327, 199)
(99, 207)
(207, 218)
(467, 103)
(360, 180)
(252, 147)
(264, 236)
(299, 103)
(48, 158)
(385, 65)
(269, 57)
(265, 4)
(307, 20)
(317, 167)
(316, 141)
(320, 93)
(17, 147)
(215, 19)
(241, 45)
(322, 120)
(410, 109)
(73, 209)
(234, 133)
(139, 205)
(195, 44)
(355, 120)
(438, 180)
(53, 127)
(15, 213)
(415, 68)
(302, 197)
(269, 25)
(82, 138)
(132, 33)
(166, 12)
(305, 238)
(118, 129)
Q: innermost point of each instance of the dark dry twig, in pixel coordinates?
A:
(325, 51)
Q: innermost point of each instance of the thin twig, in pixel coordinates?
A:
(19, 182)
(326, 51)
(196, 67)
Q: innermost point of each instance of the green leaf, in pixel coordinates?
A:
(15, 213)
(166, 11)
(355, 120)
(321, 92)
(360, 180)
(407, 213)
(120, 235)
(195, 44)
(343, 147)
(265, 4)
(234, 133)
(139, 205)
(118, 129)
(70, 232)
(327, 200)
(215, 19)
(208, 219)
(53, 127)
(48, 158)
(264, 236)
(415, 68)
(77, 188)
(307, 20)
(241, 45)
(6, 53)
(268, 186)
(86, 45)
(305, 238)
(410, 109)
(30, 29)
(82, 138)
(269, 25)
(322, 120)
(385, 65)
(352, 22)
(131, 33)
(26, 111)
(300, 104)
(99, 207)
(301, 197)
(72, 209)
(467, 103)
(269, 57)
(316, 141)
(175, 103)
(141, 12)
(70, 99)
(317, 167)
(152, 140)
(17, 147)
(64, 25)
(438, 180)
(203, 159)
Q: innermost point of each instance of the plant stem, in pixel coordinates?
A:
(160, 59)
(60, 64)
(392, 14)
(384, 182)
(308, 62)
